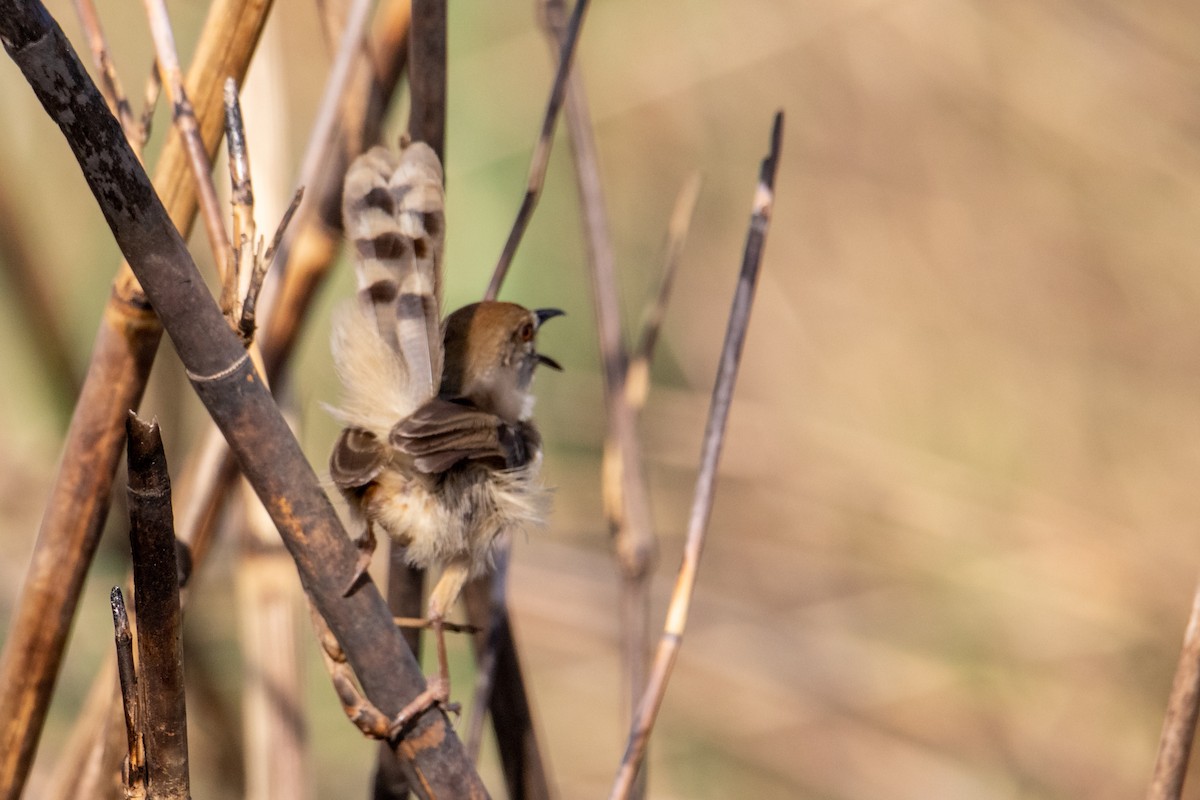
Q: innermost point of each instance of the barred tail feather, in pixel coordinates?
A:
(393, 209)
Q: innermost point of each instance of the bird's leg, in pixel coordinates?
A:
(365, 716)
(366, 549)
(437, 690)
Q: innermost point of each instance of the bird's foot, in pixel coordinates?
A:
(437, 693)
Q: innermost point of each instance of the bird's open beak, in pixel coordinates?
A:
(542, 315)
(549, 362)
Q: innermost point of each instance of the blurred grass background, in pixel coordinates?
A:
(954, 539)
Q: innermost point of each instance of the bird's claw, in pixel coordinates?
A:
(365, 544)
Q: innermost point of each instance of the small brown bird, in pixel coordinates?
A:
(439, 450)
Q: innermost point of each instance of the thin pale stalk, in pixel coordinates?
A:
(541, 151)
(122, 353)
(110, 83)
(161, 704)
(1183, 708)
(624, 488)
(710, 454)
(273, 714)
(184, 117)
(637, 374)
(236, 398)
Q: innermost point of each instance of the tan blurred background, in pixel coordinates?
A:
(954, 539)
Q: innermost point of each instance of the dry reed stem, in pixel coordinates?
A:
(122, 353)
(133, 776)
(235, 396)
(161, 704)
(426, 123)
(211, 468)
(1183, 707)
(427, 75)
(541, 151)
(183, 115)
(714, 436)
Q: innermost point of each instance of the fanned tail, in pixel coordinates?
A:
(388, 345)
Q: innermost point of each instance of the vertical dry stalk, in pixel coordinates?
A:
(273, 714)
(233, 393)
(501, 690)
(426, 123)
(156, 599)
(427, 75)
(1179, 727)
(714, 437)
(116, 377)
(625, 491)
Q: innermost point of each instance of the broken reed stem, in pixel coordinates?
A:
(241, 196)
(122, 353)
(184, 117)
(541, 151)
(234, 394)
(1183, 707)
(133, 775)
(714, 437)
(156, 599)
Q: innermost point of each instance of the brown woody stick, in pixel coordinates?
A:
(116, 377)
(1179, 727)
(211, 469)
(710, 453)
(159, 621)
(235, 396)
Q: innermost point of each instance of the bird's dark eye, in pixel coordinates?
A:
(526, 332)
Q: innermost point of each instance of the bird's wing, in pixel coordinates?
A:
(358, 457)
(442, 432)
(388, 346)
